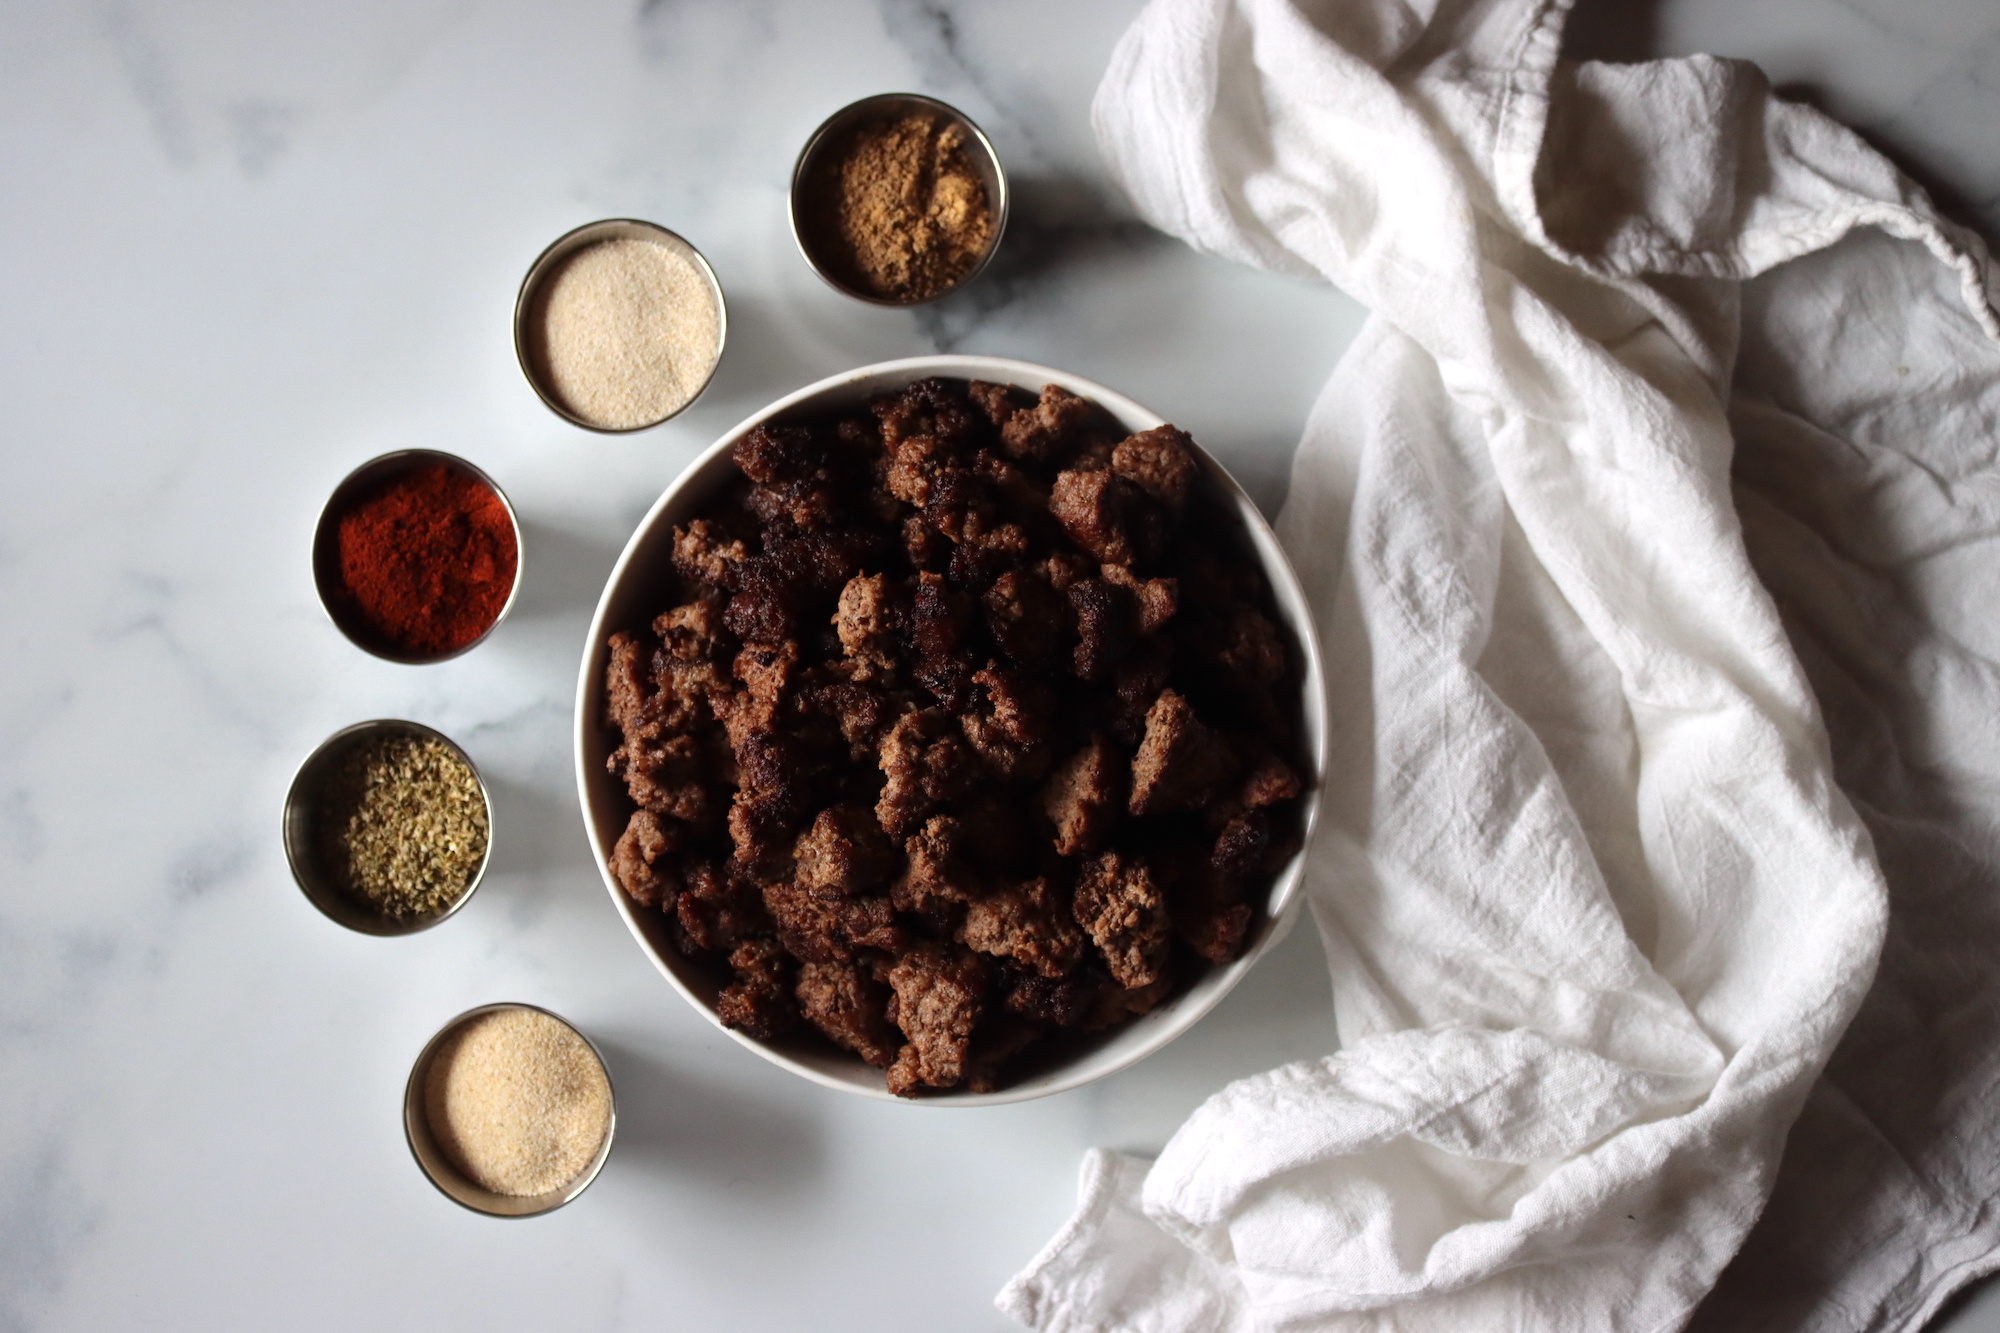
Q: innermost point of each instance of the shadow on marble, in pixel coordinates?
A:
(561, 571)
(763, 350)
(538, 839)
(1056, 224)
(676, 1123)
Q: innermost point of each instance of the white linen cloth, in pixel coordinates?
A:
(1597, 910)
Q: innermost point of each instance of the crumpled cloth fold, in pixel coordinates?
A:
(1596, 904)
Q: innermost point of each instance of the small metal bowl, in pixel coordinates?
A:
(529, 305)
(326, 553)
(437, 1166)
(809, 177)
(302, 850)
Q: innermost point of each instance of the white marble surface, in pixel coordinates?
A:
(245, 246)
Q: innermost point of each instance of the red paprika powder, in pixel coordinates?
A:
(427, 559)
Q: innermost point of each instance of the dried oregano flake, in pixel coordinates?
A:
(405, 824)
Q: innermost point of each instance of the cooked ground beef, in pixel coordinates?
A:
(973, 728)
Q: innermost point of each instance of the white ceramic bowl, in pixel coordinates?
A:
(641, 586)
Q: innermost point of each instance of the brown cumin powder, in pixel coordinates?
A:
(905, 209)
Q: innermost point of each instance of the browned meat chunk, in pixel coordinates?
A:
(770, 455)
(684, 699)
(928, 407)
(867, 620)
(1107, 516)
(844, 853)
(1022, 498)
(1214, 932)
(1208, 908)
(1251, 649)
(759, 1002)
(766, 672)
(940, 994)
(998, 402)
(1065, 569)
(940, 622)
(1086, 796)
(987, 548)
(1024, 922)
(924, 546)
(1064, 1001)
(1103, 627)
(694, 632)
(819, 929)
(1159, 461)
(717, 910)
(994, 1047)
(1049, 429)
(861, 711)
(762, 826)
(847, 1005)
(925, 763)
(705, 553)
(1115, 1005)
(668, 777)
(1026, 617)
(937, 880)
(1181, 762)
(765, 607)
(919, 467)
(1241, 847)
(1136, 684)
(1125, 914)
(1010, 722)
(1158, 598)
(640, 860)
(627, 683)
(1270, 782)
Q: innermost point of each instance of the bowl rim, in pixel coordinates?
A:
(852, 114)
(297, 799)
(590, 233)
(1170, 1020)
(325, 554)
(419, 1137)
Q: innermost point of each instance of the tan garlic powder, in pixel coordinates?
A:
(518, 1102)
(629, 332)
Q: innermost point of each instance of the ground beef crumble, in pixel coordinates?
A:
(974, 729)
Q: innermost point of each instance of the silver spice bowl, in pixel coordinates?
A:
(527, 347)
(437, 1167)
(326, 551)
(834, 130)
(302, 850)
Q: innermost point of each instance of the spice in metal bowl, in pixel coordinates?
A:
(629, 332)
(518, 1102)
(908, 206)
(426, 560)
(404, 825)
